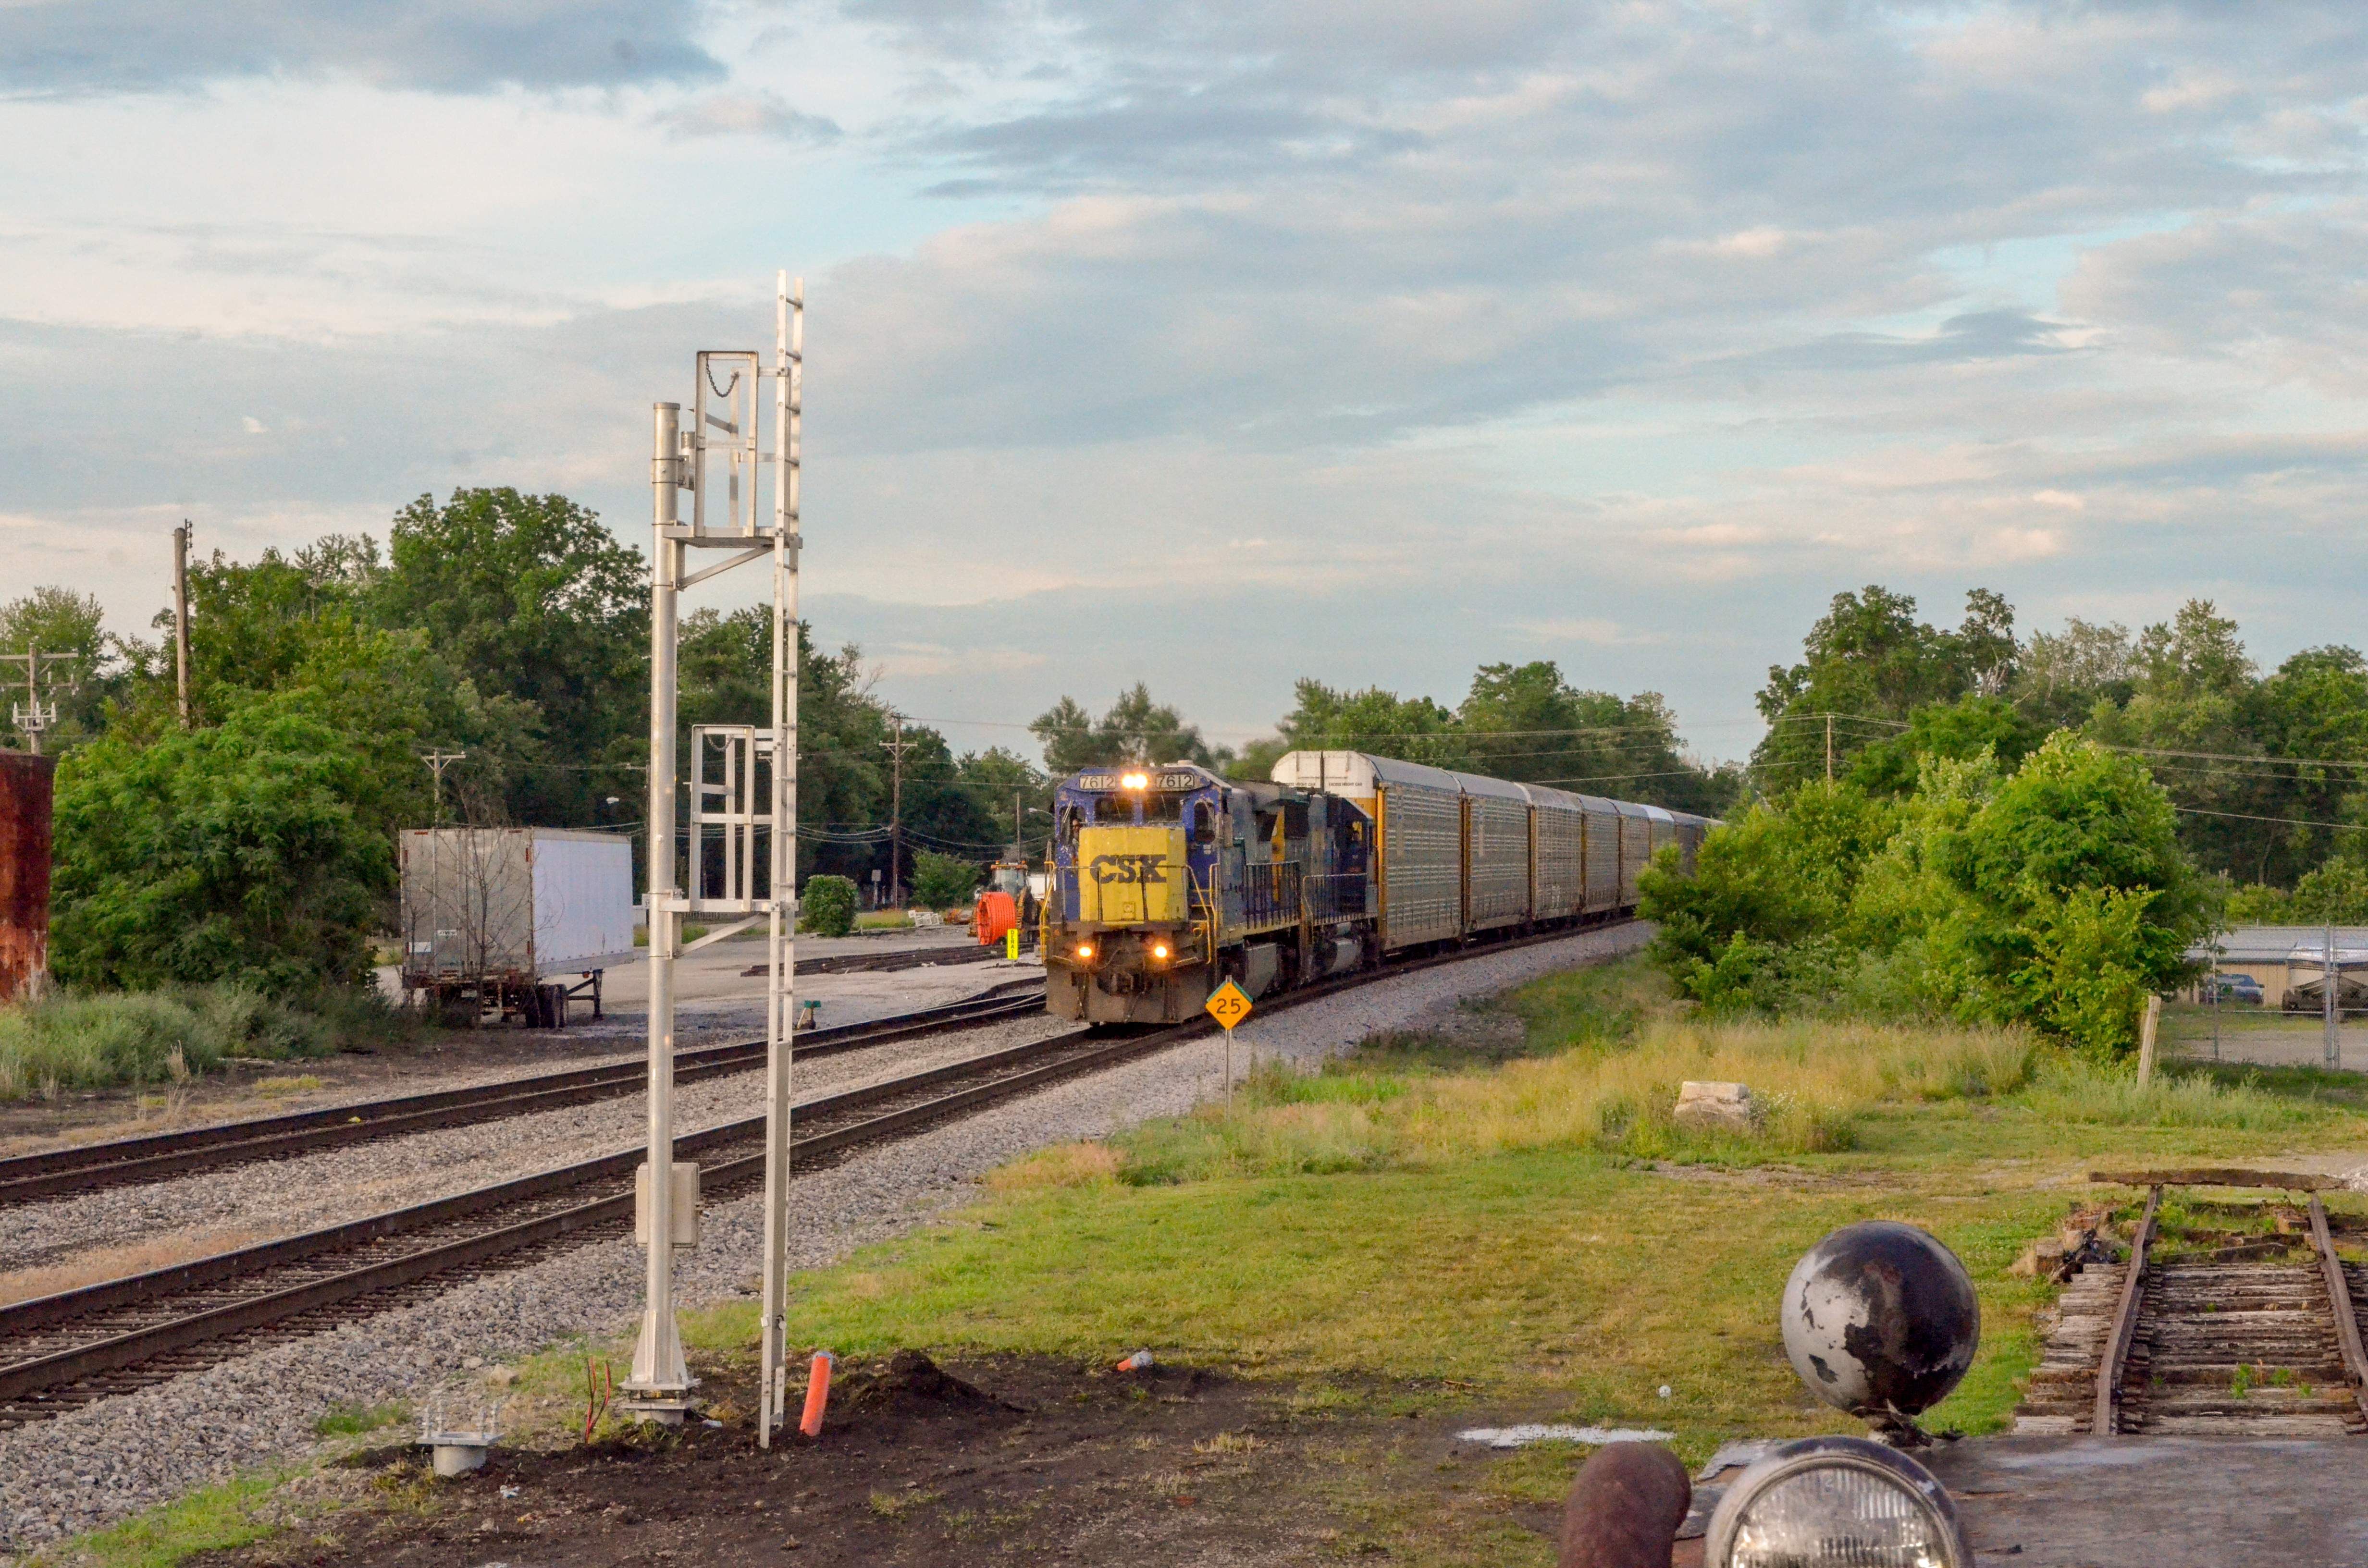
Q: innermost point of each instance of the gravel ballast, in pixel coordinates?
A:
(84, 1470)
(285, 1197)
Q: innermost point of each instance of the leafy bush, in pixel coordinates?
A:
(826, 908)
(2057, 896)
(230, 854)
(940, 881)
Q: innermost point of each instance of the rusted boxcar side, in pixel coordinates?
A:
(24, 872)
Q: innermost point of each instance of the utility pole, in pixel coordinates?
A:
(2334, 1041)
(32, 716)
(1830, 748)
(181, 621)
(439, 760)
(897, 749)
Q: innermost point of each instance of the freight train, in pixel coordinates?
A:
(1169, 881)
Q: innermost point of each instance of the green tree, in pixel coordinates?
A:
(1413, 729)
(2061, 676)
(532, 598)
(1971, 726)
(940, 881)
(2193, 713)
(230, 853)
(1870, 663)
(59, 620)
(2055, 896)
(1012, 795)
(1773, 880)
(1526, 723)
(1133, 729)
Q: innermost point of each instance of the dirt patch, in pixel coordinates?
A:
(1790, 1177)
(918, 1465)
(89, 1266)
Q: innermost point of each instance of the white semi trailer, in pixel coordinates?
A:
(517, 920)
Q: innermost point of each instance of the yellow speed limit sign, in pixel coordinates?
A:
(1230, 1006)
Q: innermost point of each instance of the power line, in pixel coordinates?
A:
(2290, 822)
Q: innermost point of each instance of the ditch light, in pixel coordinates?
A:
(1837, 1502)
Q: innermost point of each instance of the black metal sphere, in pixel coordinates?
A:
(1881, 1317)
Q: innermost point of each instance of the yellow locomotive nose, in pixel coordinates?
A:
(1131, 876)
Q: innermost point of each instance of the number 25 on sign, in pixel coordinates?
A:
(1229, 1005)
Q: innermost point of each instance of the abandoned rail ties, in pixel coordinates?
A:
(69, 1349)
(2218, 1332)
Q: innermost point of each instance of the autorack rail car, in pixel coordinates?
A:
(1168, 881)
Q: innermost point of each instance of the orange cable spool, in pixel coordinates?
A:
(994, 915)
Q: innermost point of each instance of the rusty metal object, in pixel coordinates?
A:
(2110, 1364)
(2339, 1297)
(25, 796)
(1624, 1508)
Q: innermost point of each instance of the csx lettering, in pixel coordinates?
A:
(1143, 869)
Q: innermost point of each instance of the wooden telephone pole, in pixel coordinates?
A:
(181, 617)
(896, 750)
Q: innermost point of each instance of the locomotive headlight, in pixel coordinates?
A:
(1837, 1502)
(1134, 781)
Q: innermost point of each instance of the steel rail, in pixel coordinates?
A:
(942, 955)
(159, 1157)
(2339, 1299)
(82, 1312)
(2115, 1355)
(111, 1327)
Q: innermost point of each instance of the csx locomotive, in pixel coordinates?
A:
(1169, 881)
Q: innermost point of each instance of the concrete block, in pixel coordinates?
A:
(1728, 1105)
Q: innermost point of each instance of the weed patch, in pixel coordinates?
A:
(353, 1420)
(76, 1041)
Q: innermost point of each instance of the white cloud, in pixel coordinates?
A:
(1416, 330)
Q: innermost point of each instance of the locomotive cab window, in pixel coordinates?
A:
(1204, 824)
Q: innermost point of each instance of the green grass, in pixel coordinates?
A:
(217, 1518)
(76, 1041)
(1424, 1209)
(352, 1420)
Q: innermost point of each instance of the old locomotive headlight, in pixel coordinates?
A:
(1837, 1502)
(1134, 781)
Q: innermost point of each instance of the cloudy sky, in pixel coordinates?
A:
(1215, 344)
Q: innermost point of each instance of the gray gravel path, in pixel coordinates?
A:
(98, 1464)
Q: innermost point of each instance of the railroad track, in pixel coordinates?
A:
(901, 958)
(159, 1157)
(60, 1352)
(2259, 1338)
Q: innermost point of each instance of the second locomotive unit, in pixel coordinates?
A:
(1169, 881)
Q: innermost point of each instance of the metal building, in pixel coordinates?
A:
(25, 781)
